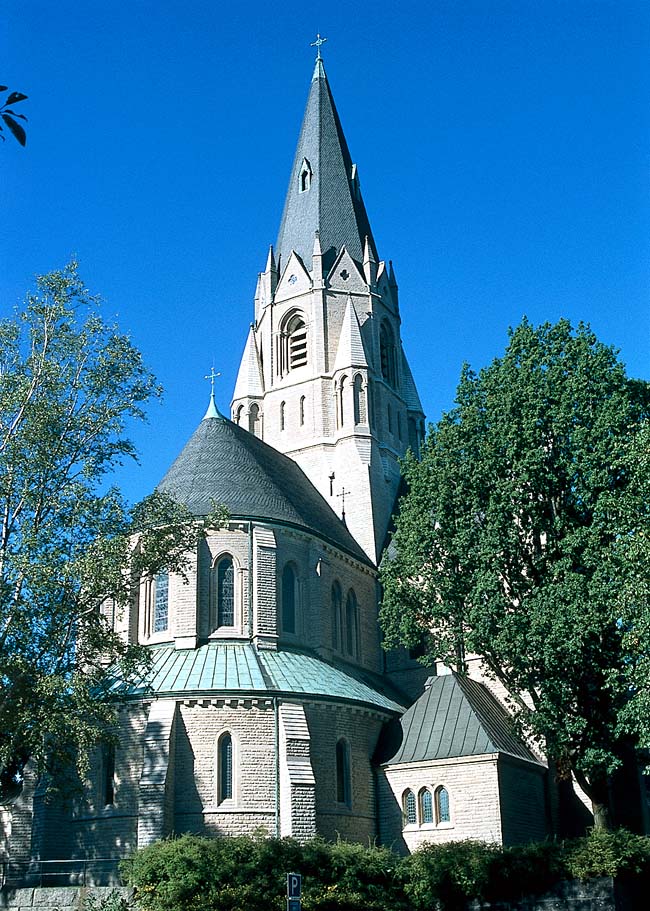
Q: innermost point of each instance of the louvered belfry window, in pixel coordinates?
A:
(297, 336)
(225, 592)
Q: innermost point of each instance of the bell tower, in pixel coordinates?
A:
(323, 377)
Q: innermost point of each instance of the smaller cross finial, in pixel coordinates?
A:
(343, 493)
(317, 44)
(212, 377)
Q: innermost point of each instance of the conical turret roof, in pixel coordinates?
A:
(328, 200)
(223, 464)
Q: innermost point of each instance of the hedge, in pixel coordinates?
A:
(193, 873)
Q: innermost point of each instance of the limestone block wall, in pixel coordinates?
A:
(233, 540)
(524, 812)
(472, 783)
(251, 724)
(360, 727)
(297, 783)
(111, 831)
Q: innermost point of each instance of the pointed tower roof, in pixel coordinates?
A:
(323, 192)
(249, 379)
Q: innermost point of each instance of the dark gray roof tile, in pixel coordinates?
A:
(223, 464)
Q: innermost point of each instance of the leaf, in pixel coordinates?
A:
(15, 128)
(15, 97)
(3, 88)
(22, 116)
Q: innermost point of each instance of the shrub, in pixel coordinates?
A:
(447, 876)
(603, 853)
(524, 870)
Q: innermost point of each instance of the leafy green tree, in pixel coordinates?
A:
(523, 539)
(68, 543)
(10, 117)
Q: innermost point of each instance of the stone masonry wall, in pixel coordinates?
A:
(251, 725)
(473, 786)
(328, 723)
(524, 814)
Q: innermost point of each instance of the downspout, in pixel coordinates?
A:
(250, 580)
(276, 711)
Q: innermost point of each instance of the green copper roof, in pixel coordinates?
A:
(231, 669)
(455, 716)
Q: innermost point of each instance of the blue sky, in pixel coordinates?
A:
(503, 151)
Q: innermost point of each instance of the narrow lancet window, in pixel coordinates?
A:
(225, 592)
(161, 603)
(224, 768)
(289, 600)
(343, 783)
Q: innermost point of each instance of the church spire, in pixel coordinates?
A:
(323, 192)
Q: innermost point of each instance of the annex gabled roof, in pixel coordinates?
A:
(455, 716)
(223, 464)
(331, 203)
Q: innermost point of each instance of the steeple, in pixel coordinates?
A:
(323, 192)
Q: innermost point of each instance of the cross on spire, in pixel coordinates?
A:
(212, 377)
(317, 44)
(343, 493)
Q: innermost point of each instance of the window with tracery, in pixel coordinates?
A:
(442, 805)
(289, 598)
(225, 592)
(352, 624)
(426, 807)
(224, 768)
(387, 353)
(343, 782)
(409, 808)
(337, 610)
(161, 603)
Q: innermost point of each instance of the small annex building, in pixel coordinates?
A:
(270, 704)
(451, 768)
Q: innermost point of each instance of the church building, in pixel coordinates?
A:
(270, 704)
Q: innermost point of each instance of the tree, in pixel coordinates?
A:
(9, 115)
(68, 542)
(522, 539)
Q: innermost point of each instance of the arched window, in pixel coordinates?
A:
(337, 610)
(426, 807)
(238, 414)
(387, 353)
(108, 774)
(342, 394)
(304, 180)
(282, 414)
(224, 768)
(409, 808)
(255, 420)
(359, 400)
(343, 783)
(225, 592)
(351, 624)
(161, 603)
(390, 417)
(289, 599)
(442, 805)
(302, 410)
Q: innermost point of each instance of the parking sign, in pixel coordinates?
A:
(294, 883)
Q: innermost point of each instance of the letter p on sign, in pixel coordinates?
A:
(294, 882)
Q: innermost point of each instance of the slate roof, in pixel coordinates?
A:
(226, 465)
(330, 205)
(238, 668)
(456, 716)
